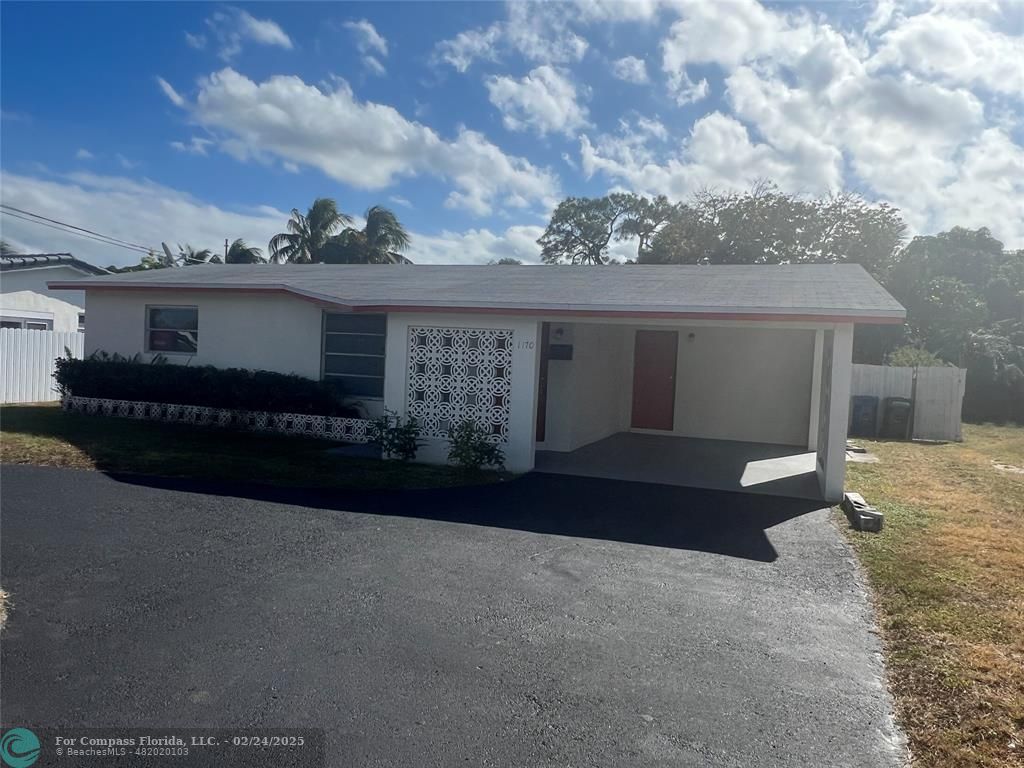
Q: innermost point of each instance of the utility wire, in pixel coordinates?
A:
(72, 226)
(99, 238)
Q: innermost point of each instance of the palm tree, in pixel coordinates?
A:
(380, 241)
(188, 256)
(308, 234)
(240, 253)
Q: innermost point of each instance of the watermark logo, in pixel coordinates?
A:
(19, 748)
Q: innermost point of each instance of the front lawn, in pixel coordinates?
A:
(948, 577)
(44, 434)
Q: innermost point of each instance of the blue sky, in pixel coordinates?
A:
(192, 122)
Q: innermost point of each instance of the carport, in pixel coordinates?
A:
(739, 396)
(724, 465)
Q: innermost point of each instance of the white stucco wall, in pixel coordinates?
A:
(29, 305)
(732, 383)
(35, 279)
(519, 448)
(236, 330)
(588, 395)
(750, 384)
(834, 405)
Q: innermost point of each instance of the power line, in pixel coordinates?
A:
(72, 226)
(99, 238)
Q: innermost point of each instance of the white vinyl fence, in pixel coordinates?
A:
(26, 362)
(937, 395)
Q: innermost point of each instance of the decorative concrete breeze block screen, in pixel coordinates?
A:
(457, 374)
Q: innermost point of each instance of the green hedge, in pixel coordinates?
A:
(200, 385)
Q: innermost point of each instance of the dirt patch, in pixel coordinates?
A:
(1007, 468)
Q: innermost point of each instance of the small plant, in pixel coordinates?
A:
(472, 447)
(398, 438)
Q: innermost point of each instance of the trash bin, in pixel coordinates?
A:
(863, 416)
(896, 421)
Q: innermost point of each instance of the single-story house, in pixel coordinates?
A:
(597, 370)
(25, 300)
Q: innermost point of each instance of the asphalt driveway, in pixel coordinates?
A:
(550, 621)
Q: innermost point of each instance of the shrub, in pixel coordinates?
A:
(913, 357)
(398, 438)
(472, 447)
(119, 378)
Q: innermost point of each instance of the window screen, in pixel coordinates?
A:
(354, 353)
(172, 330)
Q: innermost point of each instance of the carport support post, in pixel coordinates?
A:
(838, 412)
(812, 430)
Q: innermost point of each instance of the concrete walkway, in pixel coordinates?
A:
(724, 465)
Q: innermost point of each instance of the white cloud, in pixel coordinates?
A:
(631, 69)
(84, 154)
(956, 49)
(718, 153)
(372, 64)
(544, 100)
(158, 213)
(887, 110)
(176, 98)
(232, 28)
(539, 32)
(370, 43)
(195, 146)
(364, 144)
(124, 162)
(367, 37)
(162, 214)
(478, 246)
(402, 201)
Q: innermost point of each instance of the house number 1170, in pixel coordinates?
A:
(525, 344)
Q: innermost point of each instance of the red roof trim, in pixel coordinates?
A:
(766, 316)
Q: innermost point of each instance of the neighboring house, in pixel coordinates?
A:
(27, 302)
(549, 358)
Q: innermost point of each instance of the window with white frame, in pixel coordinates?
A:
(172, 330)
(26, 323)
(354, 352)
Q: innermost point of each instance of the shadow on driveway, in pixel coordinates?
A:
(718, 522)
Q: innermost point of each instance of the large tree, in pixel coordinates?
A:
(308, 234)
(768, 226)
(581, 229)
(240, 253)
(380, 241)
(644, 219)
(190, 256)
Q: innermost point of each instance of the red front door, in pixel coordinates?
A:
(654, 379)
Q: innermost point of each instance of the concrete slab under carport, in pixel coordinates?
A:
(725, 465)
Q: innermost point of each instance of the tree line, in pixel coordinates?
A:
(322, 235)
(963, 291)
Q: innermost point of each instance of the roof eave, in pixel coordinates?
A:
(766, 314)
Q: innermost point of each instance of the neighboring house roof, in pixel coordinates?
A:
(38, 260)
(827, 292)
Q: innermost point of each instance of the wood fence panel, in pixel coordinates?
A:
(938, 395)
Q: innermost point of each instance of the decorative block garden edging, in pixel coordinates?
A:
(338, 428)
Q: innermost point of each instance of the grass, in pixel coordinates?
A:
(948, 577)
(45, 435)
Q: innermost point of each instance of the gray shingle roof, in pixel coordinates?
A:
(36, 260)
(806, 290)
